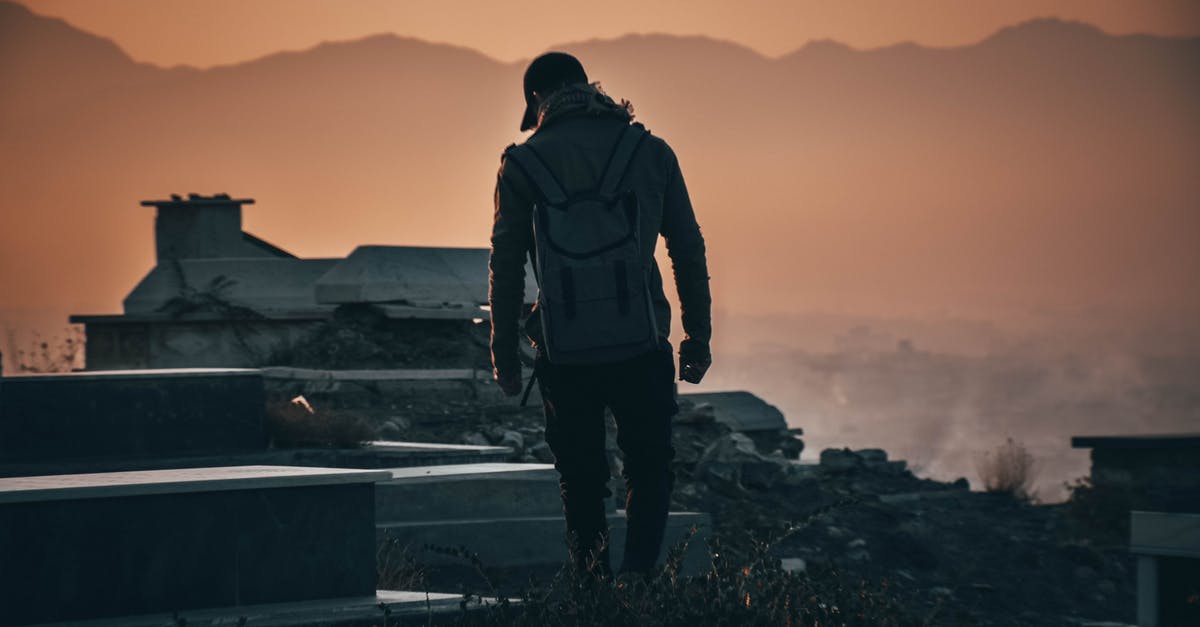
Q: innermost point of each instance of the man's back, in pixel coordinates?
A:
(576, 144)
(578, 128)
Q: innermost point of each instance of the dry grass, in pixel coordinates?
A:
(296, 423)
(59, 353)
(1010, 469)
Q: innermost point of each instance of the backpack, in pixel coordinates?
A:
(593, 286)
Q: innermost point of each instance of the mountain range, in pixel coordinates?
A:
(1048, 166)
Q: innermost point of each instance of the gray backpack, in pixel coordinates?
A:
(593, 286)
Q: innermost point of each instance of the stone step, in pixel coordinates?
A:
(378, 454)
(468, 491)
(131, 413)
(531, 540)
(77, 547)
(419, 607)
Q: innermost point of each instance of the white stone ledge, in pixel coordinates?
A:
(176, 481)
(149, 373)
(1165, 534)
(470, 472)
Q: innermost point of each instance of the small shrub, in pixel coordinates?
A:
(1100, 513)
(1008, 470)
(296, 423)
(397, 568)
(746, 585)
(47, 355)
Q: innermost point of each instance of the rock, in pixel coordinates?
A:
(542, 453)
(401, 422)
(389, 431)
(495, 433)
(856, 543)
(762, 475)
(513, 440)
(840, 460)
(961, 483)
(872, 456)
(475, 439)
(941, 592)
(793, 564)
(791, 447)
(688, 492)
(733, 459)
(703, 413)
(723, 478)
(799, 474)
(835, 532)
(858, 555)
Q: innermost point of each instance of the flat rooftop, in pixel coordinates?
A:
(1145, 441)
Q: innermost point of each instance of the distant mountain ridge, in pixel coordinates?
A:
(1050, 164)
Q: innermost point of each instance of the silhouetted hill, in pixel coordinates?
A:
(46, 63)
(1049, 165)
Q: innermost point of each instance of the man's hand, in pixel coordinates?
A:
(509, 380)
(694, 361)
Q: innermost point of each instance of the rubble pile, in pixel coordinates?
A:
(950, 554)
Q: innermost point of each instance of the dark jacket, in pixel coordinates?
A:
(578, 130)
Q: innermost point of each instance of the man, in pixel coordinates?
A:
(601, 323)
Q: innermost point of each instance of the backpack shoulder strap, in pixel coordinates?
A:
(537, 173)
(618, 163)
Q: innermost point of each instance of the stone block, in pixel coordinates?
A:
(742, 411)
(468, 491)
(134, 413)
(116, 544)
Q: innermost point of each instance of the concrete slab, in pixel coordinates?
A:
(1154, 441)
(116, 544)
(127, 414)
(1162, 533)
(1167, 546)
(451, 278)
(369, 388)
(742, 411)
(527, 472)
(342, 612)
(264, 284)
(139, 374)
(372, 456)
(455, 492)
(176, 481)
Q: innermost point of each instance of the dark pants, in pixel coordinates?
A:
(641, 394)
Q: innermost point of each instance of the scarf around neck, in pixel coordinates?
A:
(581, 99)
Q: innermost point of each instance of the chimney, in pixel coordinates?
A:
(198, 227)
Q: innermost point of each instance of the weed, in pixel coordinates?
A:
(1009, 470)
(296, 423)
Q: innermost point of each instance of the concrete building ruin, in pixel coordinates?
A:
(220, 297)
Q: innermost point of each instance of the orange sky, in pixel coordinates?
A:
(213, 32)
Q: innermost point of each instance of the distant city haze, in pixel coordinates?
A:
(1020, 190)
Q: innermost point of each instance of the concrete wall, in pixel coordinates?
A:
(120, 344)
(130, 414)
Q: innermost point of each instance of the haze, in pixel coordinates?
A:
(203, 33)
(1018, 199)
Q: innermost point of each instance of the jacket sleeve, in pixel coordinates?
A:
(689, 263)
(512, 238)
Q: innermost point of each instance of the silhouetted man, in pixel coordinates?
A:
(585, 198)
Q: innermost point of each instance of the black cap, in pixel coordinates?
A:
(543, 75)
